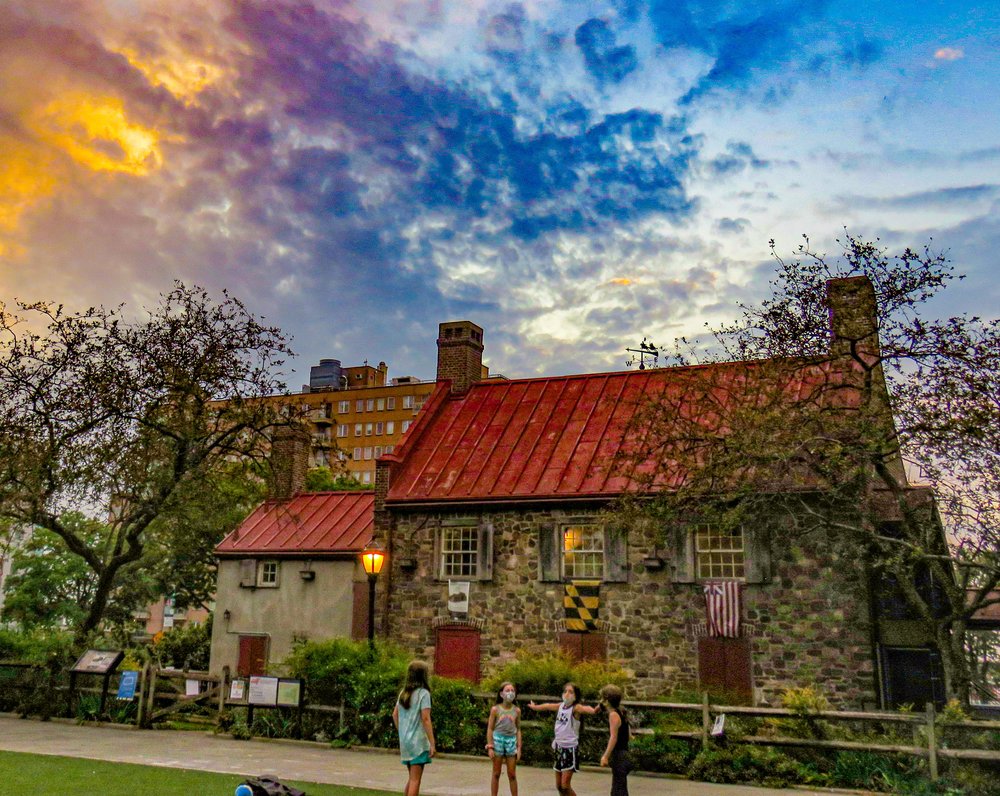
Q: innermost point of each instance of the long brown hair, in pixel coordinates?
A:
(417, 676)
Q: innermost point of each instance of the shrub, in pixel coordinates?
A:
(751, 764)
(185, 647)
(546, 675)
(459, 717)
(658, 752)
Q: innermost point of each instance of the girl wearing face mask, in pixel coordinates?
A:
(503, 737)
(567, 736)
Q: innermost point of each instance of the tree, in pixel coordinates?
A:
(123, 417)
(323, 479)
(51, 587)
(796, 434)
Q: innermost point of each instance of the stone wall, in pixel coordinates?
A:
(808, 626)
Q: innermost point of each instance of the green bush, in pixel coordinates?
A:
(185, 647)
(753, 764)
(547, 674)
(459, 717)
(658, 752)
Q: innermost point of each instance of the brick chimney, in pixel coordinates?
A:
(289, 461)
(460, 354)
(853, 315)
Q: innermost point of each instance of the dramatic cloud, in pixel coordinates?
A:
(572, 176)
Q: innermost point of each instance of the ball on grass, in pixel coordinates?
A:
(243, 790)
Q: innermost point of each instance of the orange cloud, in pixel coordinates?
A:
(949, 54)
(183, 76)
(25, 178)
(96, 132)
(621, 280)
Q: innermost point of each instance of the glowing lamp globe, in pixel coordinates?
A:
(372, 559)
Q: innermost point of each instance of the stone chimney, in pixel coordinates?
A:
(460, 354)
(289, 461)
(853, 315)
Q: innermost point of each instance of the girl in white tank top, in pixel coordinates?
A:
(567, 735)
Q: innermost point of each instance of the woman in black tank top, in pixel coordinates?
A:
(616, 755)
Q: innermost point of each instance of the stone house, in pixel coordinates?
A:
(497, 499)
(291, 571)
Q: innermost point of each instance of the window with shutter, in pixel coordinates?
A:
(248, 573)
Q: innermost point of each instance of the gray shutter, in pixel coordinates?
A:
(484, 570)
(615, 554)
(757, 555)
(681, 549)
(248, 573)
(437, 565)
(549, 552)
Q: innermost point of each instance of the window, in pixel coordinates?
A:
(342, 430)
(357, 429)
(379, 428)
(370, 405)
(459, 552)
(341, 455)
(389, 448)
(357, 455)
(583, 551)
(267, 574)
(407, 401)
(390, 403)
(343, 407)
(718, 553)
(366, 477)
(368, 454)
(390, 426)
(359, 405)
(403, 426)
(378, 451)
(369, 427)
(379, 404)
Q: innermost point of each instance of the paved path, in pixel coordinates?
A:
(317, 763)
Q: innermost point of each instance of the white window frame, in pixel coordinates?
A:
(404, 426)
(357, 455)
(343, 407)
(359, 405)
(368, 454)
(267, 574)
(717, 556)
(380, 404)
(366, 477)
(407, 401)
(378, 451)
(390, 402)
(379, 429)
(582, 551)
(390, 426)
(343, 430)
(370, 405)
(459, 556)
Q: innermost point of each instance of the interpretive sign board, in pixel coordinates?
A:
(127, 684)
(263, 691)
(98, 662)
(289, 693)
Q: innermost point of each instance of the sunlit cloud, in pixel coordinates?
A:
(96, 132)
(621, 280)
(948, 54)
(182, 75)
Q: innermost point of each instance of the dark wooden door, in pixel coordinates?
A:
(584, 646)
(359, 611)
(457, 652)
(912, 676)
(724, 669)
(253, 656)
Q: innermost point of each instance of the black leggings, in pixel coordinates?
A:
(620, 766)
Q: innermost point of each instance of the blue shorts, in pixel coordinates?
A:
(504, 745)
(423, 759)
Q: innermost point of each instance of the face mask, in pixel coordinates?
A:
(567, 701)
(508, 696)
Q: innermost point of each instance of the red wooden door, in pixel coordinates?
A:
(457, 652)
(584, 646)
(253, 656)
(724, 668)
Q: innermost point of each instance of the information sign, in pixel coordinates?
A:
(126, 685)
(263, 691)
(98, 662)
(289, 693)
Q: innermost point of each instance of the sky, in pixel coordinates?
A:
(573, 176)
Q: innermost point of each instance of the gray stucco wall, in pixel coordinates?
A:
(314, 609)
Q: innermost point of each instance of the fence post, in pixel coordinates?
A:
(932, 761)
(223, 687)
(151, 697)
(140, 707)
(706, 720)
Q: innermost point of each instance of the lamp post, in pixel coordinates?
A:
(372, 559)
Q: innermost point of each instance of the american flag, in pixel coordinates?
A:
(722, 605)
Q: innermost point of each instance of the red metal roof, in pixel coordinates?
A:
(550, 437)
(315, 523)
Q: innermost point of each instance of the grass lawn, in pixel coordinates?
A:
(47, 775)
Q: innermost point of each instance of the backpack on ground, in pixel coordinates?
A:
(269, 786)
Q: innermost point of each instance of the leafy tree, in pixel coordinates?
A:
(123, 416)
(323, 479)
(50, 587)
(795, 433)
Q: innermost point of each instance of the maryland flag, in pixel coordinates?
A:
(582, 600)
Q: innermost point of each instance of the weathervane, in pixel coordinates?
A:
(644, 350)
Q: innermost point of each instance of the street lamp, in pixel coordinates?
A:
(372, 559)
